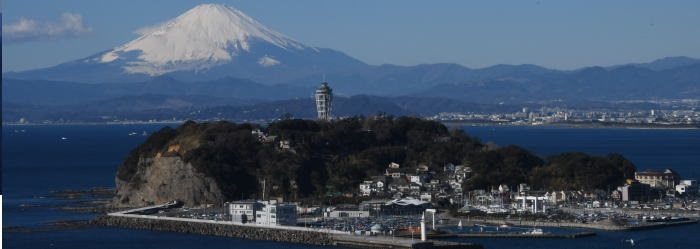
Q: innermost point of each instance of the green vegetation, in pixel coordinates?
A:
(154, 143)
(573, 171)
(331, 158)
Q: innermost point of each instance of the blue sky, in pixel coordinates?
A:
(557, 34)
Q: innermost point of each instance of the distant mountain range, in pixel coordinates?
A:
(593, 84)
(42, 92)
(215, 55)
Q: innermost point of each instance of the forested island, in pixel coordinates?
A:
(304, 160)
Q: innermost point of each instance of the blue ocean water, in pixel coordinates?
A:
(38, 160)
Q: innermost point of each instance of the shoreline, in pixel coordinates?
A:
(600, 226)
(92, 123)
(621, 126)
(447, 123)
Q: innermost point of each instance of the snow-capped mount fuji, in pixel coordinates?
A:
(204, 37)
(209, 41)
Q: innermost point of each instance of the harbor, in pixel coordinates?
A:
(404, 231)
(138, 219)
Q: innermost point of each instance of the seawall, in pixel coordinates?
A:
(223, 230)
(286, 235)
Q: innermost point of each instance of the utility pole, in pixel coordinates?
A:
(263, 192)
(422, 228)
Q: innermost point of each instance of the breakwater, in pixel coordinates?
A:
(288, 235)
(224, 230)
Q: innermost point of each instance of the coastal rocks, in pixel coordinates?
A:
(223, 230)
(162, 179)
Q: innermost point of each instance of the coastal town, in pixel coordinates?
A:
(414, 204)
(408, 207)
(669, 114)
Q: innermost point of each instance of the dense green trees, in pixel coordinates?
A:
(334, 157)
(510, 165)
(574, 171)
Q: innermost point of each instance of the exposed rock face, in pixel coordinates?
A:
(162, 179)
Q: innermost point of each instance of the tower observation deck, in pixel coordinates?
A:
(324, 99)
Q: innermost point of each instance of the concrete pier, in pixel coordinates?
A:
(287, 234)
(513, 235)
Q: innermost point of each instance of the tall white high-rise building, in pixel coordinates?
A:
(324, 99)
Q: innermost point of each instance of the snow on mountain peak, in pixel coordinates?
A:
(205, 36)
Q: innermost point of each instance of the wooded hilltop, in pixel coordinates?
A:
(230, 161)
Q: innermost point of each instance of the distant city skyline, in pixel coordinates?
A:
(554, 34)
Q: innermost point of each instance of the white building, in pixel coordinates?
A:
(347, 213)
(244, 211)
(687, 186)
(324, 100)
(263, 213)
(415, 179)
(366, 188)
(533, 204)
(666, 179)
(276, 215)
(426, 197)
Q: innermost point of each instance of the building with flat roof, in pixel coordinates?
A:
(635, 191)
(276, 214)
(263, 213)
(687, 187)
(244, 211)
(659, 179)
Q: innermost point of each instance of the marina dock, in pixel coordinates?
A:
(602, 226)
(513, 235)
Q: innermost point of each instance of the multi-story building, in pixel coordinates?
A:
(366, 188)
(666, 179)
(263, 213)
(244, 211)
(635, 191)
(687, 187)
(324, 99)
(272, 214)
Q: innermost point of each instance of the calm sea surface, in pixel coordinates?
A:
(36, 160)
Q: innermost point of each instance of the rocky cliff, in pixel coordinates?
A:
(180, 164)
(164, 179)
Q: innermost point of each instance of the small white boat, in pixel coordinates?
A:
(631, 241)
(64, 138)
(132, 133)
(535, 231)
(459, 224)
